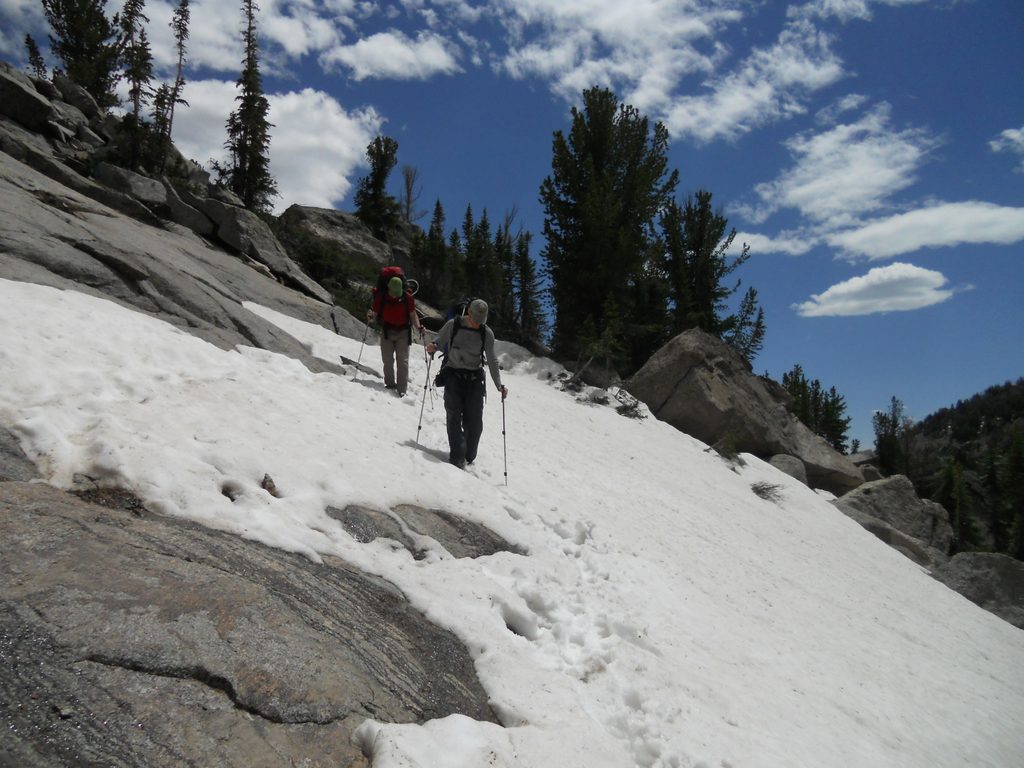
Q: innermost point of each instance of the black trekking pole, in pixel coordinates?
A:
(426, 384)
(504, 442)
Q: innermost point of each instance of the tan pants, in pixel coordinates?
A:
(394, 345)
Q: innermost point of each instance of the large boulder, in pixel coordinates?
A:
(993, 581)
(77, 96)
(148, 191)
(341, 231)
(894, 501)
(247, 233)
(20, 101)
(704, 387)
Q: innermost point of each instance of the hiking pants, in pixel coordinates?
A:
(394, 343)
(464, 394)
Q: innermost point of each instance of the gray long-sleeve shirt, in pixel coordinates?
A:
(466, 352)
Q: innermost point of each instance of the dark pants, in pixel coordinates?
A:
(464, 393)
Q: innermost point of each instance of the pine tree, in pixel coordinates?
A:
(697, 245)
(36, 64)
(1013, 485)
(889, 427)
(378, 210)
(179, 26)
(746, 329)
(609, 180)
(824, 413)
(248, 173)
(955, 497)
(85, 41)
(530, 318)
(138, 71)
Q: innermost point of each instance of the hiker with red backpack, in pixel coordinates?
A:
(394, 307)
(469, 344)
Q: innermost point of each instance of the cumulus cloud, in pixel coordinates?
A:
(641, 49)
(786, 243)
(1011, 140)
(894, 288)
(846, 171)
(316, 146)
(20, 16)
(945, 224)
(769, 85)
(394, 55)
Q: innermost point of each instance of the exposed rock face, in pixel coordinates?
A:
(52, 235)
(791, 465)
(22, 102)
(130, 639)
(703, 387)
(336, 229)
(893, 502)
(458, 537)
(995, 582)
(77, 128)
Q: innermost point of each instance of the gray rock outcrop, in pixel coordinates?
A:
(337, 230)
(893, 503)
(22, 102)
(993, 581)
(52, 235)
(703, 387)
(133, 639)
(78, 133)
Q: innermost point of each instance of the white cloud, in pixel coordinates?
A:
(894, 288)
(844, 172)
(1011, 140)
(787, 243)
(844, 10)
(641, 49)
(771, 84)
(394, 55)
(946, 224)
(315, 148)
(19, 17)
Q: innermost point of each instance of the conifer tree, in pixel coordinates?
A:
(85, 42)
(167, 97)
(609, 180)
(746, 329)
(248, 173)
(138, 71)
(378, 210)
(954, 495)
(1013, 483)
(530, 318)
(889, 427)
(824, 413)
(436, 263)
(36, 64)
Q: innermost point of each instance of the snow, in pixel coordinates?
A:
(665, 615)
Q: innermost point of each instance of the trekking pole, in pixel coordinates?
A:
(362, 344)
(504, 442)
(426, 384)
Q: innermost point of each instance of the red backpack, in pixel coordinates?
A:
(393, 313)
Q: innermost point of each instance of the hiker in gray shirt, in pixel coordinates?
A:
(469, 343)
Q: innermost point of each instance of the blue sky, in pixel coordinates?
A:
(871, 153)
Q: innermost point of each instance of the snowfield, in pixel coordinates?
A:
(665, 615)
